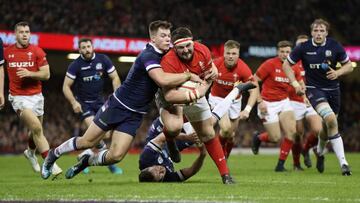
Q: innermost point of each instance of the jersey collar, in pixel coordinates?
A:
(156, 49)
(316, 45)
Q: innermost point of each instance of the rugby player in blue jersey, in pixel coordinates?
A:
(124, 110)
(87, 74)
(320, 56)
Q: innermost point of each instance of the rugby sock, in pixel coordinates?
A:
(223, 107)
(215, 151)
(31, 144)
(229, 146)
(98, 159)
(222, 142)
(338, 147)
(310, 141)
(67, 146)
(264, 137)
(44, 154)
(285, 147)
(296, 150)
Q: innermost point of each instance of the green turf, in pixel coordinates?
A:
(256, 182)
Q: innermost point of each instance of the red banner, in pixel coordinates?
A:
(66, 42)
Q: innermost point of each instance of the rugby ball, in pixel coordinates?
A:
(188, 86)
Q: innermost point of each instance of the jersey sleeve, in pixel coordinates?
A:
(1, 53)
(263, 70)
(41, 57)
(109, 67)
(341, 57)
(295, 54)
(150, 61)
(72, 70)
(176, 176)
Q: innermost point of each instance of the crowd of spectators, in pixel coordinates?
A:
(211, 20)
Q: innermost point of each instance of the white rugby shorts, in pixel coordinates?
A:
(33, 102)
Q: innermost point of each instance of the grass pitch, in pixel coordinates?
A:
(255, 176)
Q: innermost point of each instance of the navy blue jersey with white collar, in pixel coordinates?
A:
(88, 76)
(138, 89)
(317, 59)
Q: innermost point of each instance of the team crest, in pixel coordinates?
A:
(29, 55)
(328, 53)
(160, 160)
(99, 66)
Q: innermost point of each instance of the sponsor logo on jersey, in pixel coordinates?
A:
(282, 79)
(223, 82)
(95, 77)
(23, 64)
(311, 53)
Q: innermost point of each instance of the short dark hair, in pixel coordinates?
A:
(146, 176)
(232, 44)
(320, 21)
(284, 43)
(22, 24)
(180, 32)
(155, 25)
(84, 40)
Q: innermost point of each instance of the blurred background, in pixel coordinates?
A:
(119, 29)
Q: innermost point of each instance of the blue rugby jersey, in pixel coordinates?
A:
(138, 90)
(89, 75)
(317, 59)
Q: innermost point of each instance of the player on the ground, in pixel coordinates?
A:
(231, 70)
(2, 98)
(274, 107)
(27, 67)
(124, 110)
(319, 57)
(155, 163)
(195, 57)
(304, 112)
(87, 74)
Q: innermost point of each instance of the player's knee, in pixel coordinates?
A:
(331, 122)
(173, 129)
(36, 130)
(116, 156)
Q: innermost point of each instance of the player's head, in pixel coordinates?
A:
(283, 49)
(182, 39)
(301, 39)
(319, 30)
(86, 48)
(22, 33)
(152, 174)
(159, 32)
(231, 53)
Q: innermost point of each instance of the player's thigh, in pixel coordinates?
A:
(30, 120)
(120, 144)
(204, 129)
(225, 125)
(88, 120)
(288, 123)
(274, 131)
(314, 123)
(172, 118)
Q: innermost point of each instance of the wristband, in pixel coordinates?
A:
(295, 84)
(248, 108)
